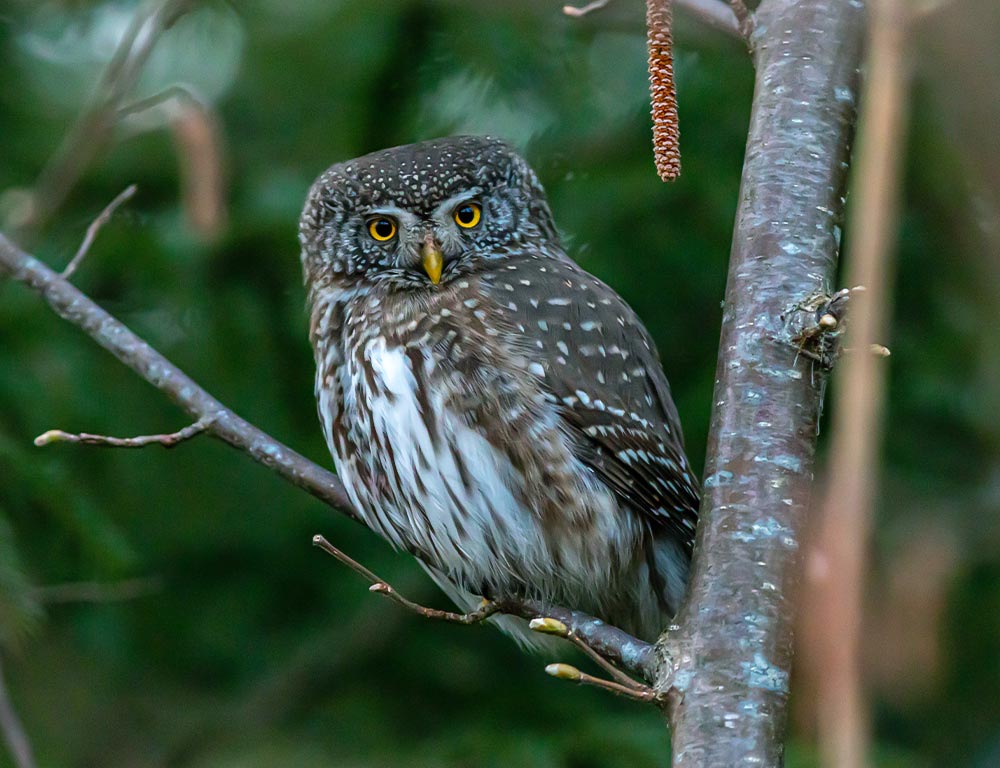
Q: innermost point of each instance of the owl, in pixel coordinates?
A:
(491, 407)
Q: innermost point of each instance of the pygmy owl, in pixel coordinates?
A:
(491, 407)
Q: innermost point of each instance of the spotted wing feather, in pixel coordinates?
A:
(601, 369)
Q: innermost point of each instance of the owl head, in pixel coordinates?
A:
(420, 215)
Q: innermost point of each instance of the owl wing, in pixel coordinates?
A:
(599, 367)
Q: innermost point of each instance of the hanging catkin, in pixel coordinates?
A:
(663, 96)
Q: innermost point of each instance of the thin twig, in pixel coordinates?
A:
(13, 731)
(568, 672)
(745, 20)
(508, 605)
(604, 664)
(179, 93)
(97, 592)
(716, 14)
(550, 626)
(625, 686)
(577, 12)
(95, 227)
(93, 129)
(382, 587)
(141, 441)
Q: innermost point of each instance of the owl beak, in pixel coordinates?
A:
(433, 261)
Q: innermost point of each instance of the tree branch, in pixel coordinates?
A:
(12, 730)
(716, 14)
(729, 658)
(602, 642)
(95, 227)
(744, 19)
(74, 306)
(167, 441)
(382, 587)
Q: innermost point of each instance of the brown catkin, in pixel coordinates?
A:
(662, 94)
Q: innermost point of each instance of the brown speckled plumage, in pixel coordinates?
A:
(509, 425)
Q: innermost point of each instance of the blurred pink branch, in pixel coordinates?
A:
(858, 398)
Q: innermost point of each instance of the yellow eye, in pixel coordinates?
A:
(382, 228)
(467, 215)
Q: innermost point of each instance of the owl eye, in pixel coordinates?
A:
(467, 215)
(382, 228)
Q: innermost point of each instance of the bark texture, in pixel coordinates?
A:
(726, 663)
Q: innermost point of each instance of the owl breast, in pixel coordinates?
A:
(501, 510)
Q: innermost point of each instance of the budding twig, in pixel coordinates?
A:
(382, 587)
(166, 440)
(550, 626)
(571, 673)
(624, 684)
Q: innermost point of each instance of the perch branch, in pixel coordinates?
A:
(382, 587)
(601, 645)
(167, 441)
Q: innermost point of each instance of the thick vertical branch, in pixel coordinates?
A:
(728, 661)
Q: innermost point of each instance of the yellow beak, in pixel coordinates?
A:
(433, 261)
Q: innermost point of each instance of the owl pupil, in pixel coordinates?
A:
(383, 228)
(466, 214)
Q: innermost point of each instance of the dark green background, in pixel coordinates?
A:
(254, 649)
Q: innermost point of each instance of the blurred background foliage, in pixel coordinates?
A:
(165, 608)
